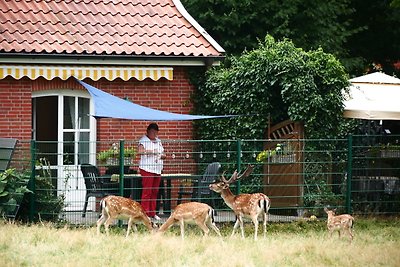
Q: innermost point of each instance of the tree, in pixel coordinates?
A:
(357, 32)
(278, 79)
(379, 41)
(237, 25)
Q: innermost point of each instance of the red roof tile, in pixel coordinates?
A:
(131, 27)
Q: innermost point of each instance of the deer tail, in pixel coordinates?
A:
(103, 203)
(211, 214)
(268, 206)
(264, 204)
(352, 221)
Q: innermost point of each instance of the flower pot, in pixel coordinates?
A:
(115, 161)
(283, 158)
(390, 153)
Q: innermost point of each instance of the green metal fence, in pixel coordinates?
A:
(359, 174)
(375, 173)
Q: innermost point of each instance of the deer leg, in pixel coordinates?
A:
(107, 224)
(211, 223)
(241, 225)
(100, 222)
(214, 227)
(255, 221)
(265, 219)
(235, 226)
(182, 224)
(133, 225)
(348, 229)
(129, 227)
(203, 227)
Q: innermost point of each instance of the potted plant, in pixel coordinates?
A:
(110, 156)
(282, 153)
(390, 151)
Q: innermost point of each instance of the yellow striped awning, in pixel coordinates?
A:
(50, 72)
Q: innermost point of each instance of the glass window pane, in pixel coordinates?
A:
(69, 112)
(48, 151)
(83, 155)
(69, 149)
(83, 109)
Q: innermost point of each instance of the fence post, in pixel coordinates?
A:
(121, 166)
(32, 181)
(349, 172)
(238, 162)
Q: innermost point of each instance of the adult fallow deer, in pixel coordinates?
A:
(192, 212)
(117, 207)
(244, 205)
(340, 223)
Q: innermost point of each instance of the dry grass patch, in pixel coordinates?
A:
(286, 245)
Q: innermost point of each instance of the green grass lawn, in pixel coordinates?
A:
(304, 243)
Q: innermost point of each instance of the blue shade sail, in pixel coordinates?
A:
(109, 106)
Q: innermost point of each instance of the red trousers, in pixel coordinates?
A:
(150, 187)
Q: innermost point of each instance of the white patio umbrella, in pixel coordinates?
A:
(374, 96)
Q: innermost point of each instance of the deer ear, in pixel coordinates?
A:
(326, 210)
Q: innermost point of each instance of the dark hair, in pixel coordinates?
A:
(153, 126)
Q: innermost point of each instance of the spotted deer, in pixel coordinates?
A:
(117, 207)
(339, 223)
(192, 212)
(244, 205)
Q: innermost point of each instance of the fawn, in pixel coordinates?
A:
(339, 223)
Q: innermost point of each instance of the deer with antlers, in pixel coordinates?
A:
(117, 207)
(244, 205)
(340, 223)
(192, 212)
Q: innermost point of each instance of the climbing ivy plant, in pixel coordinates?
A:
(277, 81)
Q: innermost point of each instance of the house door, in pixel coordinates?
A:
(65, 135)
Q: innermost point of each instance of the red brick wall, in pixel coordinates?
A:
(172, 96)
(15, 108)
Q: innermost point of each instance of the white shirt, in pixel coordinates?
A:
(151, 162)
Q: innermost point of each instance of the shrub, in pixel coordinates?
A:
(13, 186)
(48, 204)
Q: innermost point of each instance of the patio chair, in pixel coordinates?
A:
(95, 185)
(201, 192)
(7, 147)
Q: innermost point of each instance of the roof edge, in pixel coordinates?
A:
(202, 31)
(125, 60)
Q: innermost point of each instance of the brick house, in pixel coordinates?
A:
(138, 50)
